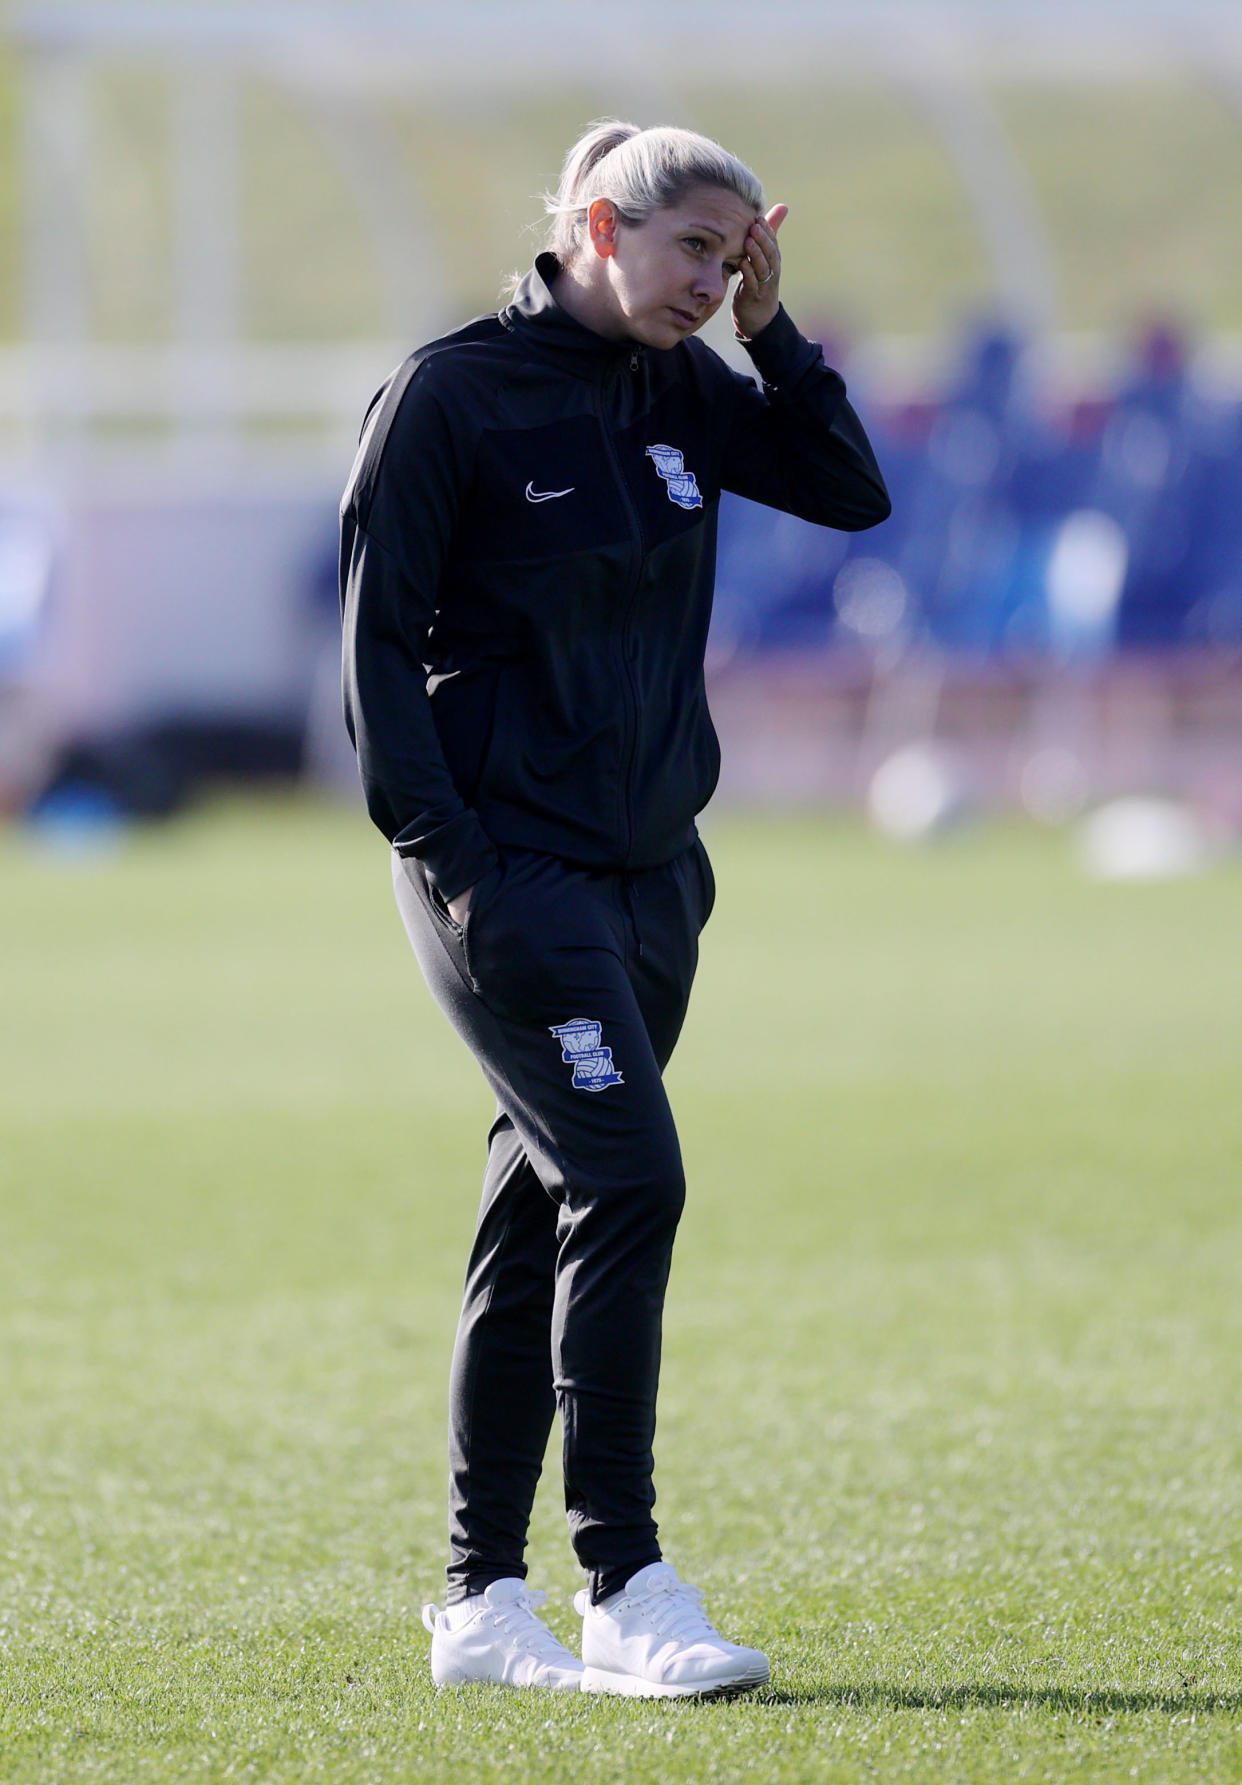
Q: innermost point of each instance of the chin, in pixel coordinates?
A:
(663, 335)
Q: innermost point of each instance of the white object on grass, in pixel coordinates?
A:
(496, 1638)
(654, 1640)
(1141, 838)
(916, 793)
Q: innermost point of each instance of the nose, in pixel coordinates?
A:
(709, 284)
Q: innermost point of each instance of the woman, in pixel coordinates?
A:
(528, 543)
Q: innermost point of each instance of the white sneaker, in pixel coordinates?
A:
(495, 1637)
(654, 1640)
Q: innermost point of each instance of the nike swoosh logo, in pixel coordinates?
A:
(534, 495)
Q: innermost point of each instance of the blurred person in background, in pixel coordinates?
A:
(527, 561)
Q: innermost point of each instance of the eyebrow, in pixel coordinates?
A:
(707, 229)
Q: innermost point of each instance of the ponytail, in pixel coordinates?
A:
(641, 171)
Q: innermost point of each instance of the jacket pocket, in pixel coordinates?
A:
(466, 707)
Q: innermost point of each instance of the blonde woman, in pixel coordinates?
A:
(528, 550)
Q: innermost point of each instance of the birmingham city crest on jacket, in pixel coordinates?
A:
(682, 488)
(582, 1048)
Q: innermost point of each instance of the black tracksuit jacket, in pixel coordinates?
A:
(528, 545)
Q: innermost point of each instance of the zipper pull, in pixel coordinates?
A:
(634, 360)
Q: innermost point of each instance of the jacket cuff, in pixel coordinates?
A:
(782, 355)
(453, 857)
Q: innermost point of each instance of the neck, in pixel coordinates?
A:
(587, 301)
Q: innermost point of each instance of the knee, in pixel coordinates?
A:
(633, 1205)
(654, 1202)
(670, 1191)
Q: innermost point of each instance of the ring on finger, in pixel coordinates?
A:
(770, 274)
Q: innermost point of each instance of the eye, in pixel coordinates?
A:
(731, 269)
(696, 244)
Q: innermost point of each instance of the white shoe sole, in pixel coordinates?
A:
(456, 1678)
(633, 1685)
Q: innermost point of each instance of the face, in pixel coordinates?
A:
(667, 276)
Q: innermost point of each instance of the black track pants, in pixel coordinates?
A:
(570, 989)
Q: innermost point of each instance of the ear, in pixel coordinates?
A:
(602, 223)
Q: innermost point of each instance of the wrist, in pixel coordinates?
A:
(740, 334)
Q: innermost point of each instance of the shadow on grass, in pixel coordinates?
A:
(1100, 1702)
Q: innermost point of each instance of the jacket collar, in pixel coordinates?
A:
(535, 316)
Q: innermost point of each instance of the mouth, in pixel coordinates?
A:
(685, 317)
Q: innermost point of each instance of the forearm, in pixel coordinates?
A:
(410, 793)
(798, 445)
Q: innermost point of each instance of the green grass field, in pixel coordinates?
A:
(950, 1417)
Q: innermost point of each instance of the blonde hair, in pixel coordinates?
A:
(641, 171)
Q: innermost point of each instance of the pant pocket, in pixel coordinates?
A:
(439, 908)
(482, 897)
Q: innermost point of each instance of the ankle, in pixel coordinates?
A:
(605, 1584)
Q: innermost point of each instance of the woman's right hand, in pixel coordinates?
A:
(459, 905)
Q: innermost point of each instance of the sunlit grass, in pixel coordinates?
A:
(949, 1420)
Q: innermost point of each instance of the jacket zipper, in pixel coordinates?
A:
(628, 679)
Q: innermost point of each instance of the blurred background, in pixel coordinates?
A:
(1015, 227)
(950, 1414)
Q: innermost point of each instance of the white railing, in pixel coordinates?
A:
(318, 391)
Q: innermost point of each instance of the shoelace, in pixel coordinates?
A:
(518, 1617)
(676, 1609)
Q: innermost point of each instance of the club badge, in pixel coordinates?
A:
(582, 1048)
(682, 488)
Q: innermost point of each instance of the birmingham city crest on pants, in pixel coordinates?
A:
(582, 1048)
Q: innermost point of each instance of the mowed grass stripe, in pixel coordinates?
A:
(950, 1408)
